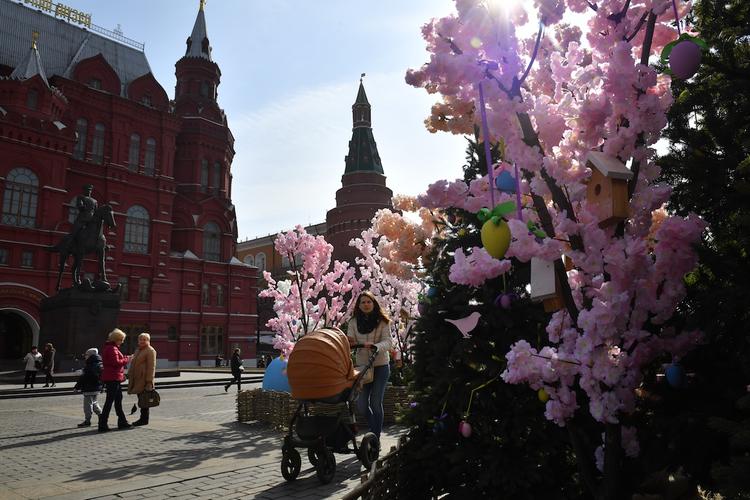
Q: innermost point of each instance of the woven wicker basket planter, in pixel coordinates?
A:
(276, 408)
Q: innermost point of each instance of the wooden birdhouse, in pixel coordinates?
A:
(544, 284)
(607, 190)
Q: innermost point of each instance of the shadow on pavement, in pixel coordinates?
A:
(235, 441)
(348, 468)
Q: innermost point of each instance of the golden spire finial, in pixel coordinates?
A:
(203, 4)
(34, 38)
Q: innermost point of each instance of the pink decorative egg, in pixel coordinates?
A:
(685, 59)
(464, 428)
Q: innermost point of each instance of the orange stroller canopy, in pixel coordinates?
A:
(320, 365)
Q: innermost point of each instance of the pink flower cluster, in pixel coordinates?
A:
(579, 96)
(314, 294)
(476, 268)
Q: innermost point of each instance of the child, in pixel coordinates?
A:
(90, 385)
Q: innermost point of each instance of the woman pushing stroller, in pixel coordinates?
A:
(371, 326)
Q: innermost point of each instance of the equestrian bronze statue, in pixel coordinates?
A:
(85, 238)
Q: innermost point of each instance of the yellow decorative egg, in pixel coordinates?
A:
(496, 238)
(542, 395)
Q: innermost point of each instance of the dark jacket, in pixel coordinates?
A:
(48, 359)
(89, 379)
(235, 364)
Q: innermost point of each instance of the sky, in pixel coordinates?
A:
(289, 75)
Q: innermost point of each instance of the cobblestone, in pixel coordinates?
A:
(192, 448)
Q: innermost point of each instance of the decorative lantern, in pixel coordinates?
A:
(544, 285)
(607, 190)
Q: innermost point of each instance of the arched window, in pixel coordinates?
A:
(219, 295)
(211, 242)
(20, 198)
(79, 151)
(149, 163)
(97, 146)
(205, 295)
(249, 260)
(136, 230)
(32, 99)
(260, 261)
(204, 175)
(135, 152)
(217, 178)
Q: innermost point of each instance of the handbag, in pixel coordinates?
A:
(38, 364)
(149, 399)
(368, 377)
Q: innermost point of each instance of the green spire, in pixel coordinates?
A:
(363, 151)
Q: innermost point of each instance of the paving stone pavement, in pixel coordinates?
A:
(192, 448)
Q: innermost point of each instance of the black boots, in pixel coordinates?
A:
(123, 424)
(103, 427)
(85, 423)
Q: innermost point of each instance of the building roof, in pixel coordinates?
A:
(195, 46)
(62, 44)
(363, 150)
(30, 67)
(361, 96)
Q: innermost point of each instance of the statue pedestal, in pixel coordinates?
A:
(76, 320)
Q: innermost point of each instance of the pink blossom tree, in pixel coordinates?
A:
(550, 99)
(316, 293)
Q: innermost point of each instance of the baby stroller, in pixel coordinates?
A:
(320, 371)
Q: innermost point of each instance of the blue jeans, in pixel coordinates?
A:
(370, 401)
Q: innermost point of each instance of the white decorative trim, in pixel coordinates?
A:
(21, 285)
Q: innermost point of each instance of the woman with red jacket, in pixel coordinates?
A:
(113, 373)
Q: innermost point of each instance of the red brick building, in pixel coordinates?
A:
(79, 105)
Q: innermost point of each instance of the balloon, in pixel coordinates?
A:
(675, 375)
(685, 59)
(542, 395)
(275, 378)
(505, 182)
(464, 428)
(496, 238)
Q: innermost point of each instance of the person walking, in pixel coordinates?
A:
(113, 373)
(370, 326)
(48, 364)
(90, 385)
(33, 362)
(142, 372)
(235, 365)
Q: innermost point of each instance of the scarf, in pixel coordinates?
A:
(366, 323)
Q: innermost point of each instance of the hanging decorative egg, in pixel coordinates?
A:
(432, 292)
(496, 237)
(422, 308)
(542, 395)
(505, 182)
(464, 428)
(675, 375)
(685, 59)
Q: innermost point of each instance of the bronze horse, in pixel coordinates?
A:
(88, 240)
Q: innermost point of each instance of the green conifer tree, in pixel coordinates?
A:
(709, 165)
(513, 451)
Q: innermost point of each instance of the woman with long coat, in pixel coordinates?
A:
(370, 326)
(142, 372)
(113, 374)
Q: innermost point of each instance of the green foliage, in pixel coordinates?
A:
(513, 452)
(709, 167)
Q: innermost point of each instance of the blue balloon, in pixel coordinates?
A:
(675, 375)
(505, 182)
(275, 378)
